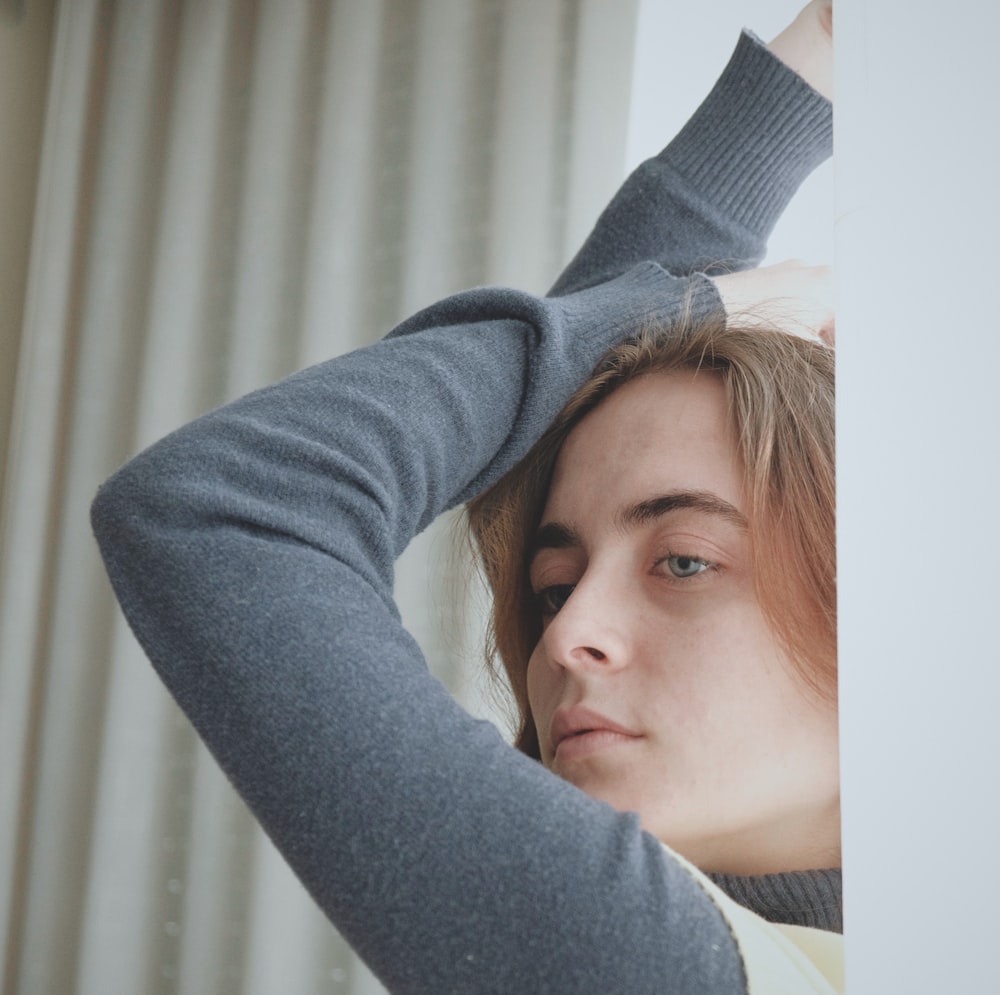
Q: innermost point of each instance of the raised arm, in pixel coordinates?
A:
(709, 201)
(252, 552)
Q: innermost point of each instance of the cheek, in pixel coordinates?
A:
(714, 666)
(752, 688)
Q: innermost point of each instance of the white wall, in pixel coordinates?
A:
(918, 411)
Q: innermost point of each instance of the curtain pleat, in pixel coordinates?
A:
(60, 683)
(343, 194)
(230, 190)
(527, 193)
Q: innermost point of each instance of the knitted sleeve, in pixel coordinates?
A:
(252, 552)
(709, 201)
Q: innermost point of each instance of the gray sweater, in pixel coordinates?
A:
(252, 552)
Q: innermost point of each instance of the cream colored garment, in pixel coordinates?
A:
(779, 959)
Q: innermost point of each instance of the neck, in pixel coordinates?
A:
(809, 842)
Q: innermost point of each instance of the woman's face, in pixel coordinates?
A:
(657, 685)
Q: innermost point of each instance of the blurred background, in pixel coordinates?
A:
(196, 198)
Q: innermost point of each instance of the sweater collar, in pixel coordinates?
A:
(799, 898)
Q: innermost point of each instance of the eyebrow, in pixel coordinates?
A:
(557, 535)
(704, 502)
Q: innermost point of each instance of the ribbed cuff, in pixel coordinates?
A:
(755, 138)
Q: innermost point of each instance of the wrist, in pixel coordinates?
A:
(806, 46)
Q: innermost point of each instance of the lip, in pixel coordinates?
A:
(579, 731)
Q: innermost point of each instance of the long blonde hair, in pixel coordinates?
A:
(780, 394)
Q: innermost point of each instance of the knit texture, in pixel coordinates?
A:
(800, 898)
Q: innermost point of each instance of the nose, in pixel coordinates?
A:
(592, 629)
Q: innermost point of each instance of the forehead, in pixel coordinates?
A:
(660, 432)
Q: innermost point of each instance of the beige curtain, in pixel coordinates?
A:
(228, 190)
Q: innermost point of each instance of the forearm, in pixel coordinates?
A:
(710, 200)
(369, 448)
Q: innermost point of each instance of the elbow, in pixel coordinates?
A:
(139, 513)
(126, 507)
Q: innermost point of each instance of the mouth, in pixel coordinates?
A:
(578, 731)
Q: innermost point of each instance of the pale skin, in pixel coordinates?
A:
(657, 685)
(806, 45)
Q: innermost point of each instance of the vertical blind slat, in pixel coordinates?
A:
(29, 491)
(107, 291)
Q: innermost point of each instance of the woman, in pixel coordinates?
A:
(253, 555)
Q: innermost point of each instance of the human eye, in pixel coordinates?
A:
(548, 600)
(683, 566)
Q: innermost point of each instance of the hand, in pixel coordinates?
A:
(791, 296)
(806, 46)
